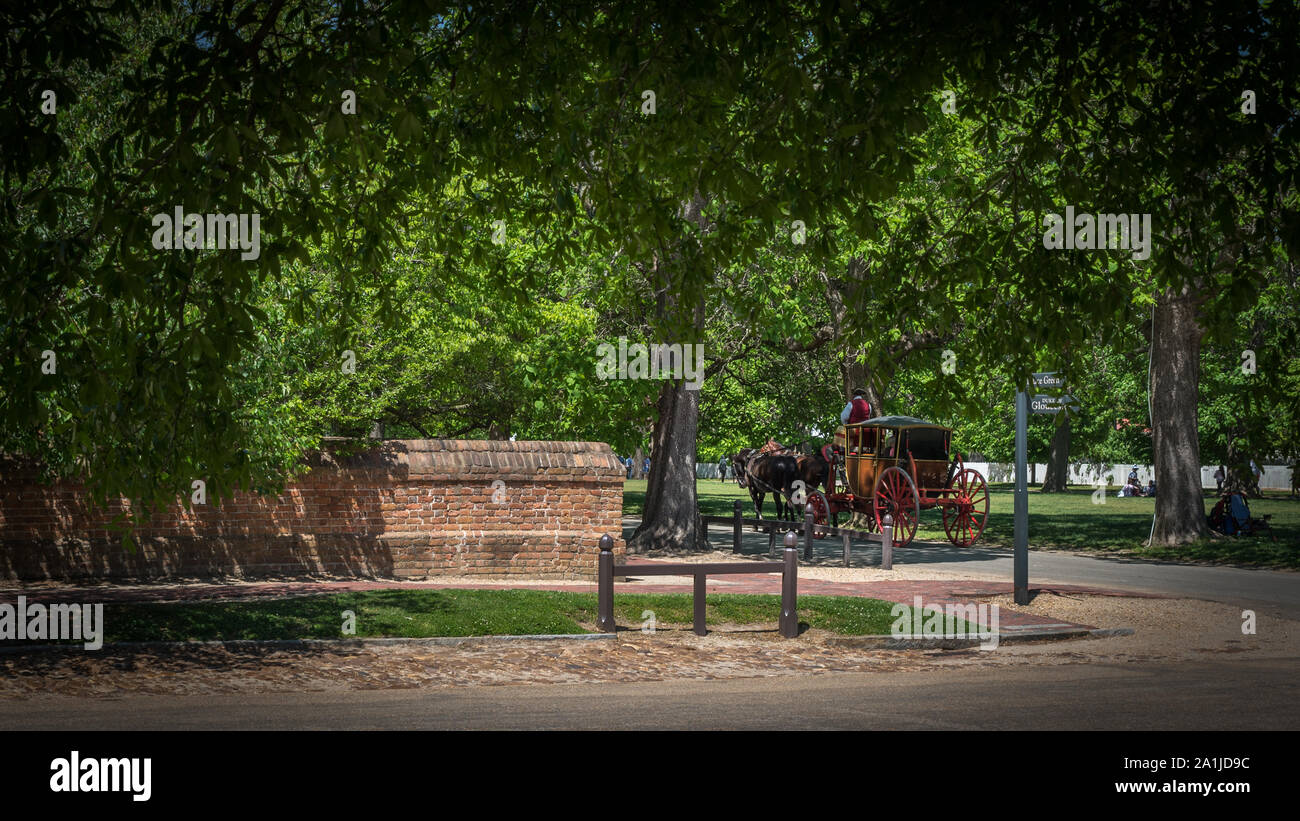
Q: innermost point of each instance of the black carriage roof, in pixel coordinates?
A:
(896, 422)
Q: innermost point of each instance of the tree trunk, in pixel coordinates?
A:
(856, 376)
(672, 515)
(1058, 460)
(638, 464)
(1175, 377)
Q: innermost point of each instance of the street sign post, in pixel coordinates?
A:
(1021, 561)
(1040, 403)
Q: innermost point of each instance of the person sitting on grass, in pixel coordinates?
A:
(1231, 516)
(1131, 486)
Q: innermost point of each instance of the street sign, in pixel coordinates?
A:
(1049, 380)
(1042, 403)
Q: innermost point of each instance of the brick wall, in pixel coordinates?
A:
(405, 509)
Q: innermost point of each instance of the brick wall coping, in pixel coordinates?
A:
(436, 458)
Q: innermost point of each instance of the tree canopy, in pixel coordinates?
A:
(458, 204)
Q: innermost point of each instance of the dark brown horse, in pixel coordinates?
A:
(814, 471)
(738, 463)
(773, 473)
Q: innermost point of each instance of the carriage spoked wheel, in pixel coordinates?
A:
(821, 510)
(966, 508)
(896, 495)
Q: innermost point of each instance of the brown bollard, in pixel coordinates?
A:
(605, 586)
(807, 533)
(887, 544)
(790, 588)
(700, 629)
(738, 526)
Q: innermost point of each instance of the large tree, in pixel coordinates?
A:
(675, 148)
(1179, 110)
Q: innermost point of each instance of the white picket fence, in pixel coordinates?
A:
(710, 471)
(1276, 477)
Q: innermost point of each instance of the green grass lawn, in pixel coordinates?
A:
(1067, 521)
(1071, 521)
(426, 613)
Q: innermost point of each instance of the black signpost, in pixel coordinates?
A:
(1041, 403)
(1021, 562)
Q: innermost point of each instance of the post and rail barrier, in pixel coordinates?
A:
(788, 568)
(738, 523)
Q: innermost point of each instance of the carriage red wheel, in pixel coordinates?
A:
(896, 495)
(821, 510)
(966, 508)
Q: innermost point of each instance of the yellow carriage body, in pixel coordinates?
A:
(895, 467)
(916, 446)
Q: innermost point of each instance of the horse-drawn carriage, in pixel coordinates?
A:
(897, 466)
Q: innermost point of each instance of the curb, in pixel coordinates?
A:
(307, 644)
(921, 643)
(884, 642)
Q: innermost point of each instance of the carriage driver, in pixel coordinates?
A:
(857, 410)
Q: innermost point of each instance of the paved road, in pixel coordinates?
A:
(1217, 694)
(1275, 590)
(1268, 591)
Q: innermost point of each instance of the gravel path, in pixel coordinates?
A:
(1167, 629)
